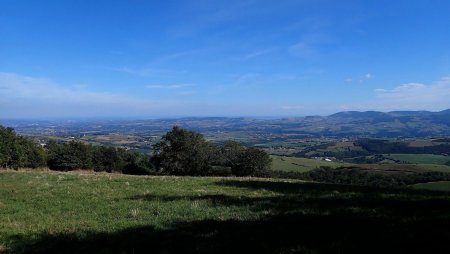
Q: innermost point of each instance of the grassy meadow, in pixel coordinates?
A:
(431, 162)
(420, 158)
(296, 164)
(434, 186)
(77, 212)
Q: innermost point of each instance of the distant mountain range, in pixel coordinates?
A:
(386, 116)
(342, 124)
(387, 124)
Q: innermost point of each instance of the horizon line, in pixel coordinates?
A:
(136, 118)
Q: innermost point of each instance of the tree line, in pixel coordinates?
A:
(179, 152)
(354, 175)
(18, 152)
(357, 176)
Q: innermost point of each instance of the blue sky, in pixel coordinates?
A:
(221, 58)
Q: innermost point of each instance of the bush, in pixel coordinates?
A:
(250, 161)
(356, 176)
(78, 155)
(137, 164)
(69, 156)
(17, 151)
(183, 152)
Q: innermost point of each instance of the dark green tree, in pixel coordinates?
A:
(17, 151)
(69, 156)
(182, 152)
(33, 154)
(137, 163)
(7, 146)
(108, 159)
(230, 153)
(250, 161)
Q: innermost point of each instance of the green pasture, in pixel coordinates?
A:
(420, 158)
(435, 186)
(82, 212)
(296, 164)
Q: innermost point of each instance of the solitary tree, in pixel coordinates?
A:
(251, 160)
(182, 152)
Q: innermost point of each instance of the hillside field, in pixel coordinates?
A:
(296, 164)
(80, 212)
(420, 158)
(429, 162)
(434, 186)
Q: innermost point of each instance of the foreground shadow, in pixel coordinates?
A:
(305, 219)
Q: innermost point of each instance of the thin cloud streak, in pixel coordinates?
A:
(147, 71)
(24, 96)
(361, 79)
(410, 96)
(170, 87)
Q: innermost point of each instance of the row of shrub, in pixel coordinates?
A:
(360, 177)
(183, 152)
(18, 152)
(78, 155)
(179, 152)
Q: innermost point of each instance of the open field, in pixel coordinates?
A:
(420, 158)
(435, 186)
(50, 212)
(435, 167)
(429, 162)
(296, 164)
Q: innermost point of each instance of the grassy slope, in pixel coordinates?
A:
(296, 164)
(420, 158)
(73, 213)
(435, 186)
(435, 167)
(426, 161)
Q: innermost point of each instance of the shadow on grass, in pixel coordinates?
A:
(307, 218)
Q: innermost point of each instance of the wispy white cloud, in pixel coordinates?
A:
(210, 14)
(292, 107)
(303, 49)
(258, 53)
(147, 71)
(186, 93)
(418, 95)
(248, 80)
(361, 79)
(170, 87)
(410, 96)
(311, 45)
(23, 96)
